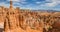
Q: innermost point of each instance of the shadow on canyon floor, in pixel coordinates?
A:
(1, 29)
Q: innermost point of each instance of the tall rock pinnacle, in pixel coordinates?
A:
(11, 4)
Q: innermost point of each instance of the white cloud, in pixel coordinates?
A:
(4, 4)
(13, 0)
(17, 0)
(53, 3)
(38, 2)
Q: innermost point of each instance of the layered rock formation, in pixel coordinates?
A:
(16, 20)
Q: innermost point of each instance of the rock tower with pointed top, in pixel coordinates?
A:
(11, 4)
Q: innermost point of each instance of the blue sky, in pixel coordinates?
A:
(34, 4)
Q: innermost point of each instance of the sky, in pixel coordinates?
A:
(33, 4)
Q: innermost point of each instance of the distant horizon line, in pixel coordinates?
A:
(30, 9)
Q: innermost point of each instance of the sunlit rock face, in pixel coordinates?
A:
(16, 20)
(2, 18)
(26, 21)
(23, 22)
